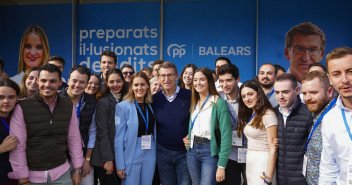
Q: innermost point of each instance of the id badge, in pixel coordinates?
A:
(304, 169)
(236, 141)
(242, 152)
(192, 140)
(146, 142)
(349, 173)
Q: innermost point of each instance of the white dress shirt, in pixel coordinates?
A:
(337, 146)
(202, 125)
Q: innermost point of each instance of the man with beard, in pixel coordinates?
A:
(295, 122)
(266, 77)
(317, 94)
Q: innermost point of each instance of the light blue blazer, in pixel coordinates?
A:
(126, 124)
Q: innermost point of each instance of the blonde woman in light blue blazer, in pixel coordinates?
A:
(135, 134)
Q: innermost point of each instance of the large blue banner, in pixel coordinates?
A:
(131, 30)
(54, 21)
(198, 32)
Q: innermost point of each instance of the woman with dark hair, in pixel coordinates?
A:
(258, 122)
(9, 91)
(185, 79)
(135, 134)
(93, 85)
(209, 134)
(29, 84)
(103, 153)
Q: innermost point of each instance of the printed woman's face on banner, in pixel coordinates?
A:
(33, 50)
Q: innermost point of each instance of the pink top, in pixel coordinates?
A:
(18, 157)
(257, 139)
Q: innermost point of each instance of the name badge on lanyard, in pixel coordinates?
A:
(146, 139)
(236, 141)
(305, 161)
(242, 153)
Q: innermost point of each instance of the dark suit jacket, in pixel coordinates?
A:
(105, 121)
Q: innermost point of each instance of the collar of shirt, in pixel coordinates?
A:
(173, 97)
(269, 92)
(51, 107)
(223, 96)
(282, 111)
(212, 100)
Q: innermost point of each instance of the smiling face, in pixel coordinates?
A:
(33, 51)
(285, 94)
(249, 97)
(315, 96)
(77, 83)
(127, 74)
(155, 87)
(31, 81)
(93, 85)
(228, 83)
(266, 76)
(200, 83)
(139, 88)
(106, 63)
(187, 76)
(340, 75)
(8, 99)
(48, 84)
(167, 78)
(299, 63)
(115, 83)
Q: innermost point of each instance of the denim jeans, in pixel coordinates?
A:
(201, 165)
(172, 166)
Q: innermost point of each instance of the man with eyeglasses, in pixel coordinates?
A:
(171, 110)
(127, 71)
(304, 45)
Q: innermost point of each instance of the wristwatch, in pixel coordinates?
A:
(78, 172)
(88, 159)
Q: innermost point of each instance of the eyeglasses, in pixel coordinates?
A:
(126, 72)
(298, 50)
(163, 77)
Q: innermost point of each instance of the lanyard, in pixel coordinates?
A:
(319, 120)
(251, 117)
(6, 125)
(272, 92)
(78, 109)
(233, 118)
(346, 125)
(140, 111)
(199, 112)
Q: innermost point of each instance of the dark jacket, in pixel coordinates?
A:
(292, 140)
(46, 132)
(86, 115)
(5, 166)
(105, 120)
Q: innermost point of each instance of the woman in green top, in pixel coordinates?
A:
(209, 136)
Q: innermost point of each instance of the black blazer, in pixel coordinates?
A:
(105, 121)
(5, 166)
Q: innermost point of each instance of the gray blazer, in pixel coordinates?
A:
(105, 121)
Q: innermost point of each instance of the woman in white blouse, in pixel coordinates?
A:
(209, 132)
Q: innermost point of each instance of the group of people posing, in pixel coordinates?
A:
(127, 127)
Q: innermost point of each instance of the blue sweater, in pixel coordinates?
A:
(172, 119)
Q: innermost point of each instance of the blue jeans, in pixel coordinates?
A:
(201, 165)
(172, 166)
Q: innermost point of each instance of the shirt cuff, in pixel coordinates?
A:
(221, 167)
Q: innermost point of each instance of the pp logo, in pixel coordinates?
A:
(176, 50)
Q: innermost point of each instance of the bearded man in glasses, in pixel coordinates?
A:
(304, 45)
